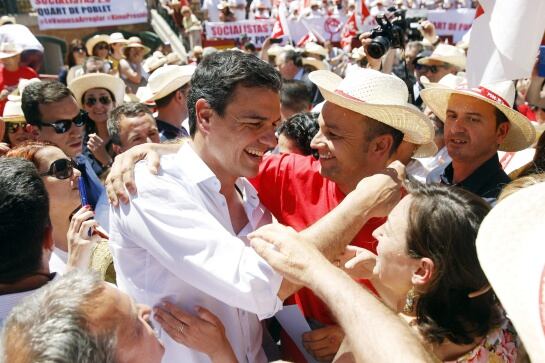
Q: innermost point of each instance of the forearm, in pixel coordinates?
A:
(371, 328)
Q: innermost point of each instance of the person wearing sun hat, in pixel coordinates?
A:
(97, 94)
(131, 68)
(168, 87)
(445, 59)
(477, 123)
(98, 46)
(11, 71)
(116, 41)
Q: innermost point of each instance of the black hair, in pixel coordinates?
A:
(295, 57)
(164, 101)
(41, 93)
(500, 117)
(301, 128)
(295, 95)
(24, 218)
(130, 109)
(376, 128)
(217, 76)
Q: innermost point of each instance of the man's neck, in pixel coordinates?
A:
(463, 170)
(61, 223)
(172, 116)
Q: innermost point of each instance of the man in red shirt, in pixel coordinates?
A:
(364, 119)
(11, 71)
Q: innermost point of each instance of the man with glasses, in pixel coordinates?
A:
(52, 110)
(445, 59)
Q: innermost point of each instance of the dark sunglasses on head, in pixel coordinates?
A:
(13, 127)
(78, 49)
(61, 169)
(91, 101)
(62, 126)
(424, 68)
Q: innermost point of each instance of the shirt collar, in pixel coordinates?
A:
(299, 74)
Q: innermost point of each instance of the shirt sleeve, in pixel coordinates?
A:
(186, 239)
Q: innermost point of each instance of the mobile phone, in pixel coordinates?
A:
(82, 192)
(541, 63)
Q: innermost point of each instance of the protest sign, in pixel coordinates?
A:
(256, 30)
(69, 14)
(452, 23)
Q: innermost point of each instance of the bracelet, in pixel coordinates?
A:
(437, 41)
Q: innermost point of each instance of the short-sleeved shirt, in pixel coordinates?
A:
(295, 192)
(9, 80)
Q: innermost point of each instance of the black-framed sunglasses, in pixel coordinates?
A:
(433, 69)
(61, 169)
(102, 46)
(13, 127)
(91, 101)
(62, 126)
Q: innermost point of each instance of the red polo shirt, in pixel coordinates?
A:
(291, 187)
(10, 80)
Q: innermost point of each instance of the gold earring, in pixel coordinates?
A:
(409, 301)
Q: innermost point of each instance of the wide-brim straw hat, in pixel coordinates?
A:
(86, 82)
(166, 80)
(156, 60)
(377, 95)
(8, 50)
(94, 40)
(6, 19)
(316, 63)
(136, 42)
(447, 54)
(425, 150)
(511, 252)
(117, 38)
(12, 110)
(500, 95)
(315, 48)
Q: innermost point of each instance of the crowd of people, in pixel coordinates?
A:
(154, 209)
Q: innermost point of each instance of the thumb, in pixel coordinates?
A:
(154, 162)
(207, 315)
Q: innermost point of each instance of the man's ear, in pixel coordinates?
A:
(381, 146)
(204, 113)
(116, 148)
(501, 132)
(424, 272)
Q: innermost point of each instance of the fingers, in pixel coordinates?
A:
(174, 328)
(364, 257)
(176, 312)
(86, 229)
(399, 169)
(265, 249)
(82, 215)
(154, 161)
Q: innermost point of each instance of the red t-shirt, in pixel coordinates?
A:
(291, 187)
(10, 80)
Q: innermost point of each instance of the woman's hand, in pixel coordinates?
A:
(204, 332)
(81, 238)
(4, 148)
(358, 262)
(98, 147)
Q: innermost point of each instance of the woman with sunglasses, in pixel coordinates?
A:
(97, 94)
(98, 46)
(76, 234)
(75, 57)
(16, 130)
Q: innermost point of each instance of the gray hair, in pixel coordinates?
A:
(129, 109)
(52, 325)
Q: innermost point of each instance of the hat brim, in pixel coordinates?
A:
(157, 63)
(170, 87)
(416, 127)
(426, 150)
(137, 45)
(86, 82)
(521, 133)
(5, 55)
(90, 44)
(14, 118)
(318, 64)
(429, 61)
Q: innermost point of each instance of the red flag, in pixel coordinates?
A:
(278, 29)
(364, 11)
(479, 11)
(310, 37)
(350, 30)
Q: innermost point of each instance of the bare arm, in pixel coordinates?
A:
(126, 70)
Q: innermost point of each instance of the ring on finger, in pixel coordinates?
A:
(181, 328)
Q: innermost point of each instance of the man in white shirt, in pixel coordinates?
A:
(183, 236)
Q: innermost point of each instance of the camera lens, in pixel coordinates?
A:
(378, 47)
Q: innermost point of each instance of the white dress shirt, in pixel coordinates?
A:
(175, 242)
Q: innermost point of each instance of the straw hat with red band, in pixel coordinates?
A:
(500, 95)
(377, 95)
(511, 252)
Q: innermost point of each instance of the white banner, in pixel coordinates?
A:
(69, 14)
(256, 30)
(453, 23)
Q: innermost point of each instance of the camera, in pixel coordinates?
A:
(393, 31)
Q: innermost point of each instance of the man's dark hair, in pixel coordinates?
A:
(442, 226)
(217, 76)
(301, 128)
(376, 128)
(130, 109)
(164, 101)
(24, 217)
(500, 117)
(249, 46)
(295, 95)
(41, 93)
(295, 57)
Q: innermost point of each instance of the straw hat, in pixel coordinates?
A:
(448, 81)
(377, 95)
(8, 50)
(316, 63)
(13, 111)
(447, 54)
(89, 81)
(315, 48)
(94, 40)
(512, 254)
(117, 38)
(166, 80)
(173, 58)
(156, 60)
(426, 150)
(500, 95)
(7, 20)
(136, 42)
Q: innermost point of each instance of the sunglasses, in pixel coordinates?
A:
(61, 169)
(91, 101)
(425, 69)
(78, 49)
(62, 126)
(102, 46)
(13, 127)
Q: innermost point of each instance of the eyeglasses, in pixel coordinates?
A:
(91, 101)
(61, 169)
(102, 46)
(433, 69)
(62, 126)
(13, 127)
